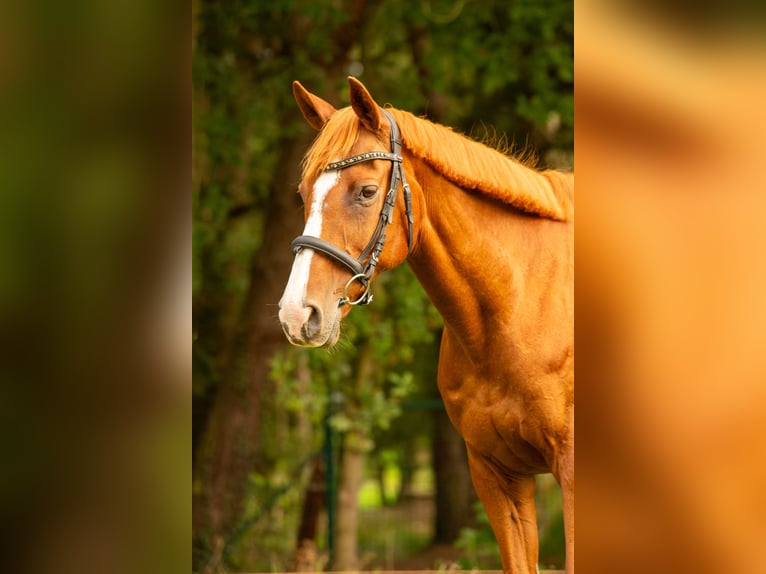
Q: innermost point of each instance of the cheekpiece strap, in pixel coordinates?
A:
(367, 156)
(363, 272)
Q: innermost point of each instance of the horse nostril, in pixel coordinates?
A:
(313, 325)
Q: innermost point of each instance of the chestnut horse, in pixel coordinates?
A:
(491, 241)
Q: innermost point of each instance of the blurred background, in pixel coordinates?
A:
(343, 458)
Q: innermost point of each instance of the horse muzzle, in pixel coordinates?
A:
(308, 326)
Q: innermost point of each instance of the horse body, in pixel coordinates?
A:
(506, 367)
(501, 276)
(508, 316)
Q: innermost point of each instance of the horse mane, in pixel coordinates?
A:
(474, 166)
(465, 162)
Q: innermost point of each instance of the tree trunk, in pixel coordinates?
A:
(455, 494)
(306, 558)
(352, 472)
(228, 447)
(406, 469)
(380, 472)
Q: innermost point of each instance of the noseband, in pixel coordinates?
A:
(362, 272)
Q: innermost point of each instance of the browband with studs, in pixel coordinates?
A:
(366, 156)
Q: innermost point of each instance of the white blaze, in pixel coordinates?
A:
(292, 310)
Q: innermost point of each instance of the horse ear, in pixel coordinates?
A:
(363, 105)
(314, 109)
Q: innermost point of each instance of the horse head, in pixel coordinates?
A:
(350, 181)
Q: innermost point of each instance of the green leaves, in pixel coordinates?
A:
(507, 64)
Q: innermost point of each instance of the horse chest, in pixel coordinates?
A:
(498, 418)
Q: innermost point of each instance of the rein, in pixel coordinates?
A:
(362, 272)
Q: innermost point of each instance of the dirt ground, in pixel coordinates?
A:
(437, 557)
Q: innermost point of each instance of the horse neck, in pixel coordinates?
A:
(472, 257)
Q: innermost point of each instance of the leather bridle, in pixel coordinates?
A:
(362, 272)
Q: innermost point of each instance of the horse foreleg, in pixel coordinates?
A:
(510, 506)
(567, 500)
(564, 473)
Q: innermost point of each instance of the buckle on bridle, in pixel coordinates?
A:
(363, 299)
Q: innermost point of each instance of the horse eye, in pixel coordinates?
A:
(368, 192)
